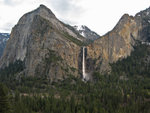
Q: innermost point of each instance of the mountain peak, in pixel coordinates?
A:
(43, 7)
(86, 32)
(126, 17)
(43, 10)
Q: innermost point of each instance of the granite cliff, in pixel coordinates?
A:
(48, 47)
(119, 42)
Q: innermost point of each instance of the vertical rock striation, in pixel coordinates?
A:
(53, 49)
(119, 42)
(39, 37)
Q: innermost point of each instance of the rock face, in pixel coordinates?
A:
(86, 32)
(47, 46)
(53, 49)
(3, 39)
(119, 42)
(143, 21)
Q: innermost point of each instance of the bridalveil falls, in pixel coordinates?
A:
(83, 63)
(85, 76)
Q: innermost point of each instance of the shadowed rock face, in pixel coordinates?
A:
(143, 20)
(3, 39)
(50, 48)
(35, 37)
(119, 42)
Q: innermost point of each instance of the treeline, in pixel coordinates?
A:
(136, 64)
(109, 95)
(12, 69)
(125, 90)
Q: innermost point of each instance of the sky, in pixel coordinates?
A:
(99, 15)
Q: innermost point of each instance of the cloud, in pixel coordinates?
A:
(65, 7)
(62, 5)
(99, 15)
(6, 27)
(12, 2)
(71, 22)
(68, 11)
(12, 10)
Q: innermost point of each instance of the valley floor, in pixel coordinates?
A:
(125, 90)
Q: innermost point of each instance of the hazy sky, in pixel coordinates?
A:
(99, 15)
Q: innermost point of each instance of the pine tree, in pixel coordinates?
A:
(4, 100)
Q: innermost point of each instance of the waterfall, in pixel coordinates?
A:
(83, 63)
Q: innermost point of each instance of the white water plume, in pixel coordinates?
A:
(84, 74)
(83, 63)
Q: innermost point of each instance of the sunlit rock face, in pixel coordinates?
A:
(50, 48)
(119, 42)
(38, 36)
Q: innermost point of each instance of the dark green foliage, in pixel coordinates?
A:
(73, 69)
(7, 74)
(136, 64)
(88, 41)
(108, 94)
(13, 68)
(44, 26)
(4, 99)
(124, 90)
(72, 29)
(51, 57)
(71, 38)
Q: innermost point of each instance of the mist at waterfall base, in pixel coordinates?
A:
(85, 76)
